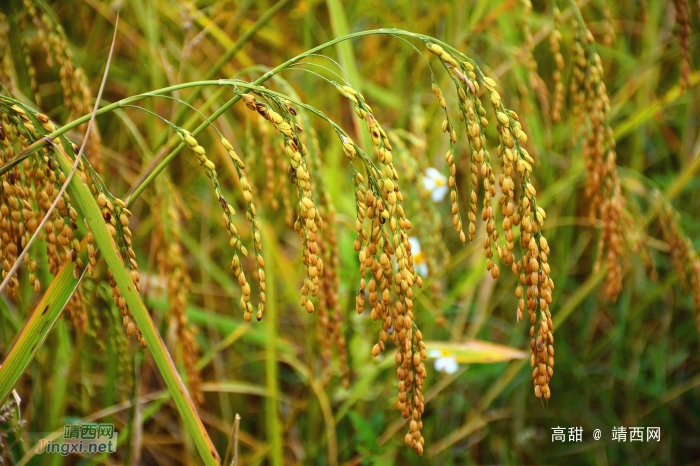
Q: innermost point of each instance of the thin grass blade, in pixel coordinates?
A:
(44, 317)
(82, 196)
(475, 351)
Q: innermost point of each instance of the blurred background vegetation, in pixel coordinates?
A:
(632, 362)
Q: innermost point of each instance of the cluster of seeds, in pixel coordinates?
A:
(554, 40)
(116, 216)
(309, 221)
(25, 201)
(330, 313)
(428, 228)
(178, 286)
(537, 84)
(685, 258)
(532, 269)
(320, 255)
(31, 70)
(267, 156)
(25, 197)
(15, 209)
(250, 216)
(5, 54)
(592, 106)
(228, 214)
(380, 201)
(92, 252)
(450, 161)
(534, 276)
(329, 310)
(430, 253)
(19, 218)
(473, 114)
(50, 36)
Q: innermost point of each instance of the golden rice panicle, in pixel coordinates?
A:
(95, 324)
(76, 310)
(683, 253)
(478, 154)
(120, 340)
(554, 44)
(591, 107)
(536, 82)
(683, 22)
(454, 68)
(271, 188)
(174, 274)
(30, 10)
(381, 203)
(448, 128)
(228, 213)
(116, 216)
(120, 302)
(120, 221)
(120, 218)
(473, 115)
(179, 284)
(67, 243)
(307, 227)
(309, 221)
(379, 137)
(286, 173)
(77, 96)
(582, 40)
(365, 205)
(12, 225)
(412, 164)
(392, 195)
(535, 278)
(19, 190)
(511, 156)
(411, 374)
(360, 106)
(330, 311)
(384, 206)
(432, 251)
(612, 210)
(92, 252)
(251, 213)
(329, 302)
(640, 244)
(5, 60)
(533, 268)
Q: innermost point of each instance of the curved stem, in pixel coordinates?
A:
(84, 119)
(169, 158)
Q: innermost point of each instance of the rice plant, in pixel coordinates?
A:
(135, 295)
